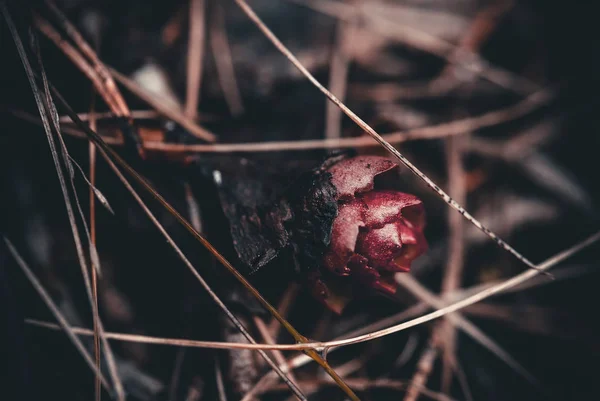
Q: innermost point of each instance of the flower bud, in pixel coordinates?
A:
(376, 232)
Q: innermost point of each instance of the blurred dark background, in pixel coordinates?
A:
(541, 195)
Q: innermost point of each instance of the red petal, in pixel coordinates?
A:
(343, 237)
(362, 271)
(392, 247)
(386, 284)
(356, 175)
(413, 245)
(370, 276)
(414, 216)
(384, 207)
(381, 246)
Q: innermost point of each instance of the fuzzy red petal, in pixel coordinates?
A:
(386, 284)
(343, 237)
(362, 271)
(384, 207)
(376, 233)
(413, 245)
(357, 174)
(381, 246)
(370, 276)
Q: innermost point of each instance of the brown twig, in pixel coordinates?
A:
(94, 273)
(63, 324)
(164, 108)
(348, 368)
(174, 383)
(195, 390)
(222, 53)
(458, 188)
(457, 183)
(443, 130)
(89, 52)
(135, 114)
(242, 364)
(483, 25)
(220, 381)
(518, 147)
(195, 219)
(338, 77)
(193, 207)
(443, 334)
(266, 335)
(423, 369)
(283, 307)
(195, 57)
(96, 72)
(387, 92)
(77, 58)
(178, 342)
(173, 28)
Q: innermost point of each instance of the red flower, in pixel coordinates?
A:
(376, 232)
